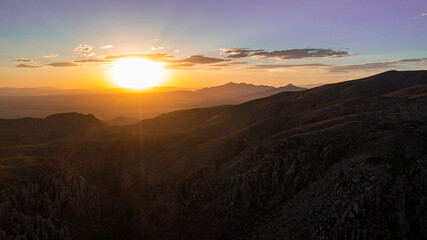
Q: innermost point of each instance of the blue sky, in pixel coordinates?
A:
(371, 31)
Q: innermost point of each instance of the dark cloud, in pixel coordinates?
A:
(22, 60)
(62, 64)
(239, 52)
(277, 66)
(284, 54)
(27, 66)
(200, 59)
(163, 57)
(409, 60)
(302, 53)
(237, 63)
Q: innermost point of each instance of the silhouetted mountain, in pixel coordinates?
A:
(340, 161)
(111, 103)
(234, 89)
(57, 126)
(288, 88)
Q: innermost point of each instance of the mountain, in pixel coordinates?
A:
(340, 161)
(114, 102)
(288, 88)
(57, 126)
(234, 89)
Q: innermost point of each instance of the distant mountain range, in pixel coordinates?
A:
(231, 88)
(288, 88)
(108, 104)
(340, 161)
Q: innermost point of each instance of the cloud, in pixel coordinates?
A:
(157, 48)
(277, 66)
(376, 65)
(161, 57)
(238, 52)
(107, 46)
(363, 66)
(302, 53)
(50, 56)
(284, 54)
(92, 61)
(180, 66)
(409, 60)
(27, 66)
(62, 64)
(418, 16)
(200, 59)
(84, 49)
(22, 60)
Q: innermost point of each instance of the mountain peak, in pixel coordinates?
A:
(230, 83)
(290, 85)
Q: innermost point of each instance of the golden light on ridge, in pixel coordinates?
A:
(137, 73)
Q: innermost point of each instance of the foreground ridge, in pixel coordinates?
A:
(340, 161)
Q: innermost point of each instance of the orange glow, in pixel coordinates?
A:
(137, 73)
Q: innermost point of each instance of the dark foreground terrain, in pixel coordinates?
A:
(340, 161)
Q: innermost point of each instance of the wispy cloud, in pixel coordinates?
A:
(157, 48)
(107, 46)
(163, 57)
(27, 66)
(92, 61)
(22, 60)
(50, 56)
(62, 64)
(84, 49)
(418, 16)
(362, 66)
(376, 65)
(180, 66)
(278, 66)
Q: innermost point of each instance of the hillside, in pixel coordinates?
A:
(339, 161)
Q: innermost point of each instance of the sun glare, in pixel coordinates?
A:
(137, 73)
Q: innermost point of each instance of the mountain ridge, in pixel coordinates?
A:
(337, 161)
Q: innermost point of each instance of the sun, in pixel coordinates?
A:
(137, 73)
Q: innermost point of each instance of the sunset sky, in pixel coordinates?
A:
(72, 44)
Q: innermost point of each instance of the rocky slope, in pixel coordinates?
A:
(340, 161)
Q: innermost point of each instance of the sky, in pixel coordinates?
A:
(72, 44)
